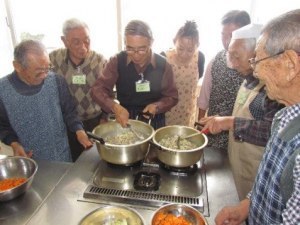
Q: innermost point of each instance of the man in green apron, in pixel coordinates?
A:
(250, 123)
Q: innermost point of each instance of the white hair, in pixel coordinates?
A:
(71, 24)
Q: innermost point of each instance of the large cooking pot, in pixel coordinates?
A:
(179, 158)
(123, 154)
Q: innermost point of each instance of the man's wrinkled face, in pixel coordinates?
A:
(36, 70)
(77, 41)
(238, 56)
(226, 33)
(271, 71)
(138, 48)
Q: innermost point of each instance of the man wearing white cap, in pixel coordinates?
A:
(275, 198)
(250, 123)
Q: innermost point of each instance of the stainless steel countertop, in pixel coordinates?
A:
(20, 210)
(53, 198)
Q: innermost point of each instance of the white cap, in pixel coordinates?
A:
(248, 31)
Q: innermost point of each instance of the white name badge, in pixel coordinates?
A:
(79, 79)
(142, 86)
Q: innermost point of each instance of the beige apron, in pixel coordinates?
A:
(244, 157)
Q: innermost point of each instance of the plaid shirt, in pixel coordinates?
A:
(267, 205)
(256, 131)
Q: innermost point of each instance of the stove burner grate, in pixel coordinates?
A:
(146, 181)
(184, 171)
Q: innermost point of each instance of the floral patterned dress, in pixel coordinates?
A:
(186, 79)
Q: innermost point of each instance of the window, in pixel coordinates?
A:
(107, 19)
(6, 46)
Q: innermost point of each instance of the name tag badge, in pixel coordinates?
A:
(79, 79)
(142, 86)
(242, 98)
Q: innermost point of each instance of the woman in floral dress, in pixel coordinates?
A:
(188, 65)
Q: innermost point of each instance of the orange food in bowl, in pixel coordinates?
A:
(170, 219)
(9, 183)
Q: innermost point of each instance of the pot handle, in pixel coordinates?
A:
(150, 115)
(155, 145)
(95, 137)
(199, 127)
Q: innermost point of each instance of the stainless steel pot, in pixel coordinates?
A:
(179, 158)
(123, 154)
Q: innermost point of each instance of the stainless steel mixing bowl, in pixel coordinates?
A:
(190, 214)
(113, 215)
(16, 166)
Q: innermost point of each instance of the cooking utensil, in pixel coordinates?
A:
(178, 142)
(189, 213)
(199, 127)
(134, 132)
(123, 154)
(175, 157)
(113, 215)
(13, 167)
(185, 137)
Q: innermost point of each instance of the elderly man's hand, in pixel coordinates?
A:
(151, 108)
(217, 124)
(19, 150)
(233, 215)
(83, 139)
(121, 114)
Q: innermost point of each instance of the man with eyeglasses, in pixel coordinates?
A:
(275, 196)
(81, 67)
(36, 107)
(250, 123)
(144, 80)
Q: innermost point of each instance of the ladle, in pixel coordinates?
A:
(188, 136)
(134, 132)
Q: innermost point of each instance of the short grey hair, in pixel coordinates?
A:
(283, 33)
(71, 24)
(138, 27)
(26, 47)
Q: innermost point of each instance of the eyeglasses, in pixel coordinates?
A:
(140, 50)
(44, 70)
(254, 62)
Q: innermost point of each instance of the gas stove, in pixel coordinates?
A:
(149, 184)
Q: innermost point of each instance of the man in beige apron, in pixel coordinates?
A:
(244, 157)
(250, 123)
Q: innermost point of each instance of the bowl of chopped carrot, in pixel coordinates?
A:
(16, 176)
(178, 214)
